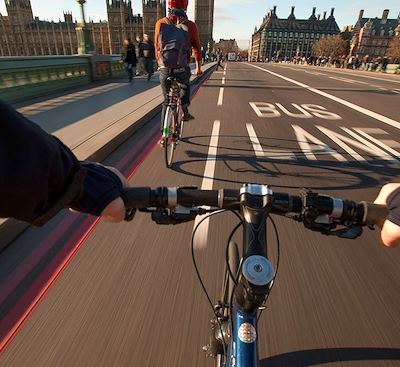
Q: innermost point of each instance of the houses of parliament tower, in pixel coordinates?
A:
(204, 18)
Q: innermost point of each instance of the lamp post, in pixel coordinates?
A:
(83, 33)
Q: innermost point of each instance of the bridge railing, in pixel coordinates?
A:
(27, 77)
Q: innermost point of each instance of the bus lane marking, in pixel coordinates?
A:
(267, 153)
(317, 147)
(348, 104)
(362, 144)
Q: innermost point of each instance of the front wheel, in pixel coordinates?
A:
(169, 133)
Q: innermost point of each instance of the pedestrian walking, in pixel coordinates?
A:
(219, 56)
(129, 57)
(149, 55)
(140, 57)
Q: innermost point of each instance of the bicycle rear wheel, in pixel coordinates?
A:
(180, 121)
(169, 135)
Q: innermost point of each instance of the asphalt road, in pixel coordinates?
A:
(130, 296)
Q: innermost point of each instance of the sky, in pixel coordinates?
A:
(233, 18)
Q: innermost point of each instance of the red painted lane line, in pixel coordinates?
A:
(13, 321)
(21, 311)
(27, 265)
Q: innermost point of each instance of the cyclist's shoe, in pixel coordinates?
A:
(187, 116)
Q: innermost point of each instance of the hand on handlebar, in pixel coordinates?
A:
(390, 193)
(100, 195)
(114, 212)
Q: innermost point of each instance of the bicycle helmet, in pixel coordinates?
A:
(178, 4)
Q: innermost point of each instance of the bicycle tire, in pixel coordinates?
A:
(234, 261)
(169, 135)
(181, 121)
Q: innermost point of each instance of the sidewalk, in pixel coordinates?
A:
(94, 121)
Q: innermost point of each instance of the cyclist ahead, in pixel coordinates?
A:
(175, 36)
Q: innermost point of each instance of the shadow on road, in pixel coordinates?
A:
(323, 174)
(313, 357)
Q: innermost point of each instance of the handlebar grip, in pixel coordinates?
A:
(137, 197)
(374, 213)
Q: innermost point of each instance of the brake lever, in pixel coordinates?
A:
(179, 215)
(349, 233)
(129, 214)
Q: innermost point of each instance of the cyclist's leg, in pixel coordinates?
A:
(165, 85)
(184, 80)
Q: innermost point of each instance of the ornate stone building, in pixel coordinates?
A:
(22, 34)
(227, 45)
(152, 11)
(122, 23)
(371, 37)
(204, 18)
(282, 39)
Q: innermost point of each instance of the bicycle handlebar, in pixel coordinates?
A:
(309, 206)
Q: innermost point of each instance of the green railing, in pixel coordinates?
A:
(27, 77)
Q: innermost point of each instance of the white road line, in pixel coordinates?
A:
(258, 150)
(346, 73)
(223, 81)
(343, 79)
(372, 148)
(281, 154)
(315, 73)
(200, 241)
(353, 106)
(380, 143)
(220, 97)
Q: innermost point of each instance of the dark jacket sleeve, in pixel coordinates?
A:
(36, 169)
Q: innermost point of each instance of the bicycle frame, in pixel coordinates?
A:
(174, 101)
(249, 296)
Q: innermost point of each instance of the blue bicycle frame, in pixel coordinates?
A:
(243, 348)
(253, 283)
